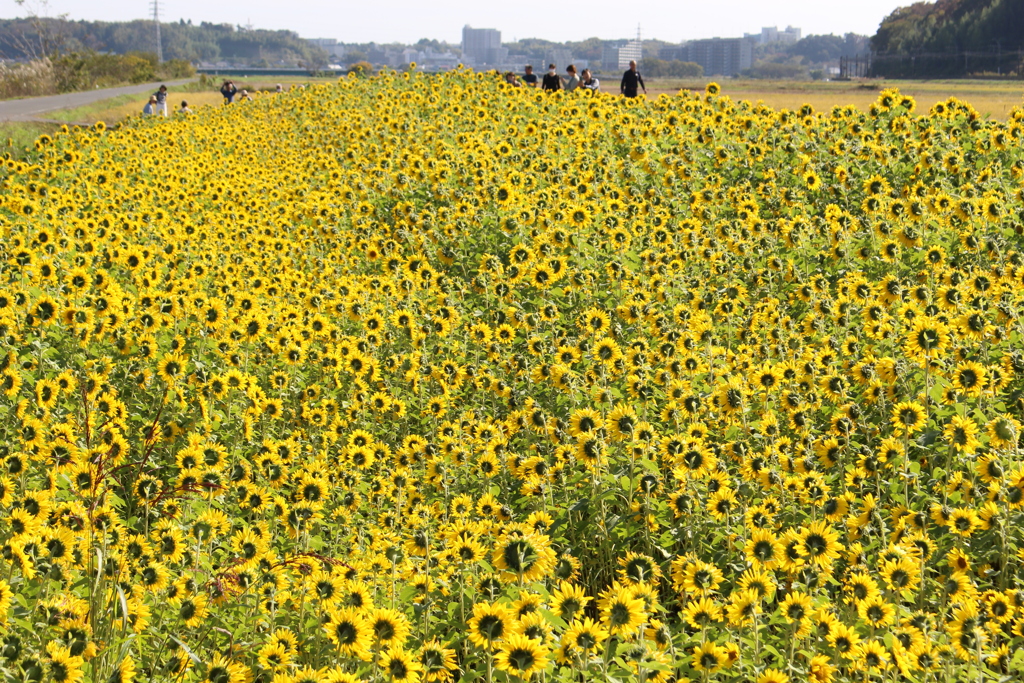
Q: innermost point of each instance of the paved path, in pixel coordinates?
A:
(29, 108)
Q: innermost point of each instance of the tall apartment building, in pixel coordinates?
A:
(621, 55)
(330, 45)
(560, 57)
(772, 34)
(721, 56)
(482, 45)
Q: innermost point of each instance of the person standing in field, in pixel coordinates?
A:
(552, 81)
(630, 79)
(184, 108)
(573, 81)
(228, 90)
(589, 81)
(530, 78)
(161, 99)
(150, 107)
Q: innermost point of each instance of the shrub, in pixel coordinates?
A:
(176, 68)
(86, 70)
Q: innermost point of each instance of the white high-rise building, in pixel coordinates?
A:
(482, 45)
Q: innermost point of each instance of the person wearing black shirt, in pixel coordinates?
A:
(630, 79)
(552, 81)
(530, 78)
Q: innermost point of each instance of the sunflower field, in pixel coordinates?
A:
(430, 378)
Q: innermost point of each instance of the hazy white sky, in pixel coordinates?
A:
(409, 20)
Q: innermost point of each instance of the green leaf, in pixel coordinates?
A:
(189, 652)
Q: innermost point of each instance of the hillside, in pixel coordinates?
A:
(952, 28)
(206, 42)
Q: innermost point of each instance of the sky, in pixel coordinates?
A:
(406, 21)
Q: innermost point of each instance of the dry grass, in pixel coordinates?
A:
(117, 109)
(992, 98)
(27, 80)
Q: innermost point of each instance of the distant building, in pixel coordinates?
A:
(619, 56)
(721, 56)
(772, 34)
(790, 35)
(559, 57)
(482, 46)
(673, 53)
(329, 45)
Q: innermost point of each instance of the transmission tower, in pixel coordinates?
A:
(155, 6)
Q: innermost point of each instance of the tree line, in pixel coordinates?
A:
(950, 38)
(37, 37)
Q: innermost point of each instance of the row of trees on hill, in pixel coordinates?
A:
(809, 57)
(36, 37)
(951, 38)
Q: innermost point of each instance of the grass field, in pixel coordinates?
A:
(17, 136)
(119, 108)
(992, 98)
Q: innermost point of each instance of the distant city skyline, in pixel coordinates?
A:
(406, 21)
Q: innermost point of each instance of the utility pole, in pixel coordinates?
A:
(155, 6)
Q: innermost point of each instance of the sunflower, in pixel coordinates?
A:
(772, 676)
(388, 627)
(743, 605)
(927, 338)
(171, 367)
(876, 612)
(225, 670)
(962, 434)
(521, 656)
(568, 600)
(812, 181)
(796, 607)
(62, 666)
(900, 574)
(870, 655)
(583, 636)
(819, 543)
(701, 578)
(585, 421)
(437, 662)
(708, 657)
(192, 610)
(490, 623)
(763, 548)
(402, 666)
(621, 613)
(527, 557)
(844, 639)
(124, 671)
(908, 417)
(350, 632)
(1003, 432)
